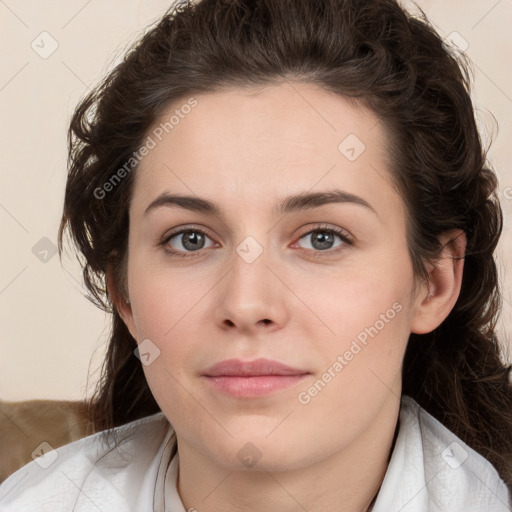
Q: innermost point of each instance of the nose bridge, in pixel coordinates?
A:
(249, 276)
(249, 295)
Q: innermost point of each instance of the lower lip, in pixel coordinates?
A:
(248, 387)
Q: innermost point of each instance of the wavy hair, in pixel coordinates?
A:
(370, 51)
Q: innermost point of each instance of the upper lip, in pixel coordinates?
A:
(261, 366)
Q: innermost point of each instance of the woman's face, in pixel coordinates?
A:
(323, 285)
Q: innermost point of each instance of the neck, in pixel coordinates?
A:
(346, 481)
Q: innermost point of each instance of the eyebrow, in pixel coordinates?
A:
(295, 203)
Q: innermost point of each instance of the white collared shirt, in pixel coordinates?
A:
(430, 470)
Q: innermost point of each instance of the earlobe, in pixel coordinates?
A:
(121, 303)
(444, 282)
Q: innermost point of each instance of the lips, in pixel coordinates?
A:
(252, 379)
(257, 367)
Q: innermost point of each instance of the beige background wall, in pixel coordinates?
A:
(48, 331)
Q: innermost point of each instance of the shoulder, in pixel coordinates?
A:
(443, 472)
(92, 473)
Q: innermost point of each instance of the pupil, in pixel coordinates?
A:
(324, 240)
(192, 238)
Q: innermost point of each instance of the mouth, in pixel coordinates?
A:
(250, 379)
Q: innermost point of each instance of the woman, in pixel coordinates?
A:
(285, 206)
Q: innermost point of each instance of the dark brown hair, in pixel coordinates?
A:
(388, 60)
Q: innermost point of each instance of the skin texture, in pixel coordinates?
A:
(245, 150)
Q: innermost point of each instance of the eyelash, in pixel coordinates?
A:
(323, 228)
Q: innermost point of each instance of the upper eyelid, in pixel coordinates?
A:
(194, 227)
(339, 231)
(328, 227)
(180, 230)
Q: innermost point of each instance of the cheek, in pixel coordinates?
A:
(368, 313)
(167, 311)
(362, 361)
(163, 298)
(165, 314)
(370, 294)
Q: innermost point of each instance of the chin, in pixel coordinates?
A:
(248, 452)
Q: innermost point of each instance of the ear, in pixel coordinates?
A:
(120, 302)
(440, 293)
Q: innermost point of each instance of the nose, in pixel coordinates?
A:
(251, 298)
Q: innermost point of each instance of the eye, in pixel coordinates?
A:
(322, 239)
(186, 241)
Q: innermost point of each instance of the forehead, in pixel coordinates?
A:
(259, 141)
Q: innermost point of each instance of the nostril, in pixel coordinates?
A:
(230, 323)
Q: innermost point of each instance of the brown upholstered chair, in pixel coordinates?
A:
(25, 425)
